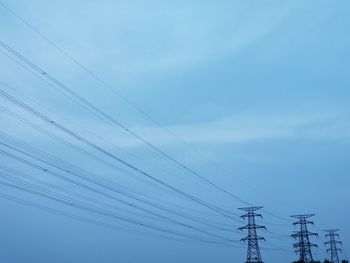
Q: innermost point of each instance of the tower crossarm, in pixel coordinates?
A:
(252, 238)
(252, 226)
(300, 222)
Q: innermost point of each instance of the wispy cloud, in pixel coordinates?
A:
(243, 128)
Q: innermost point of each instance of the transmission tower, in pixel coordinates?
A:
(303, 246)
(253, 252)
(332, 244)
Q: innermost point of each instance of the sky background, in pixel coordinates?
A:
(259, 87)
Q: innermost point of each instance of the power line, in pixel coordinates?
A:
(156, 149)
(108, 117)
(35, 154)
(66, 143)
(109, 154)
(144, 113)
(90, 106)
(185, 225)
(81, 218)
(136, 107)
(235, 219)
(118, 124)
(115, 91)
(102, 212)
(16, 175)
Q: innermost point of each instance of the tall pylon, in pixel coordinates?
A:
(253, 252)
(332, 244)
(303, 246)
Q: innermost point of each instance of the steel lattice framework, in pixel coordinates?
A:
(303, 246)
(253, 252)
(332, 244)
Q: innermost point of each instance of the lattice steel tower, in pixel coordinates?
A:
(332, 244)
(253, 252)
(303, 246)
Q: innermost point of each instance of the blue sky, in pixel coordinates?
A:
(259, 87)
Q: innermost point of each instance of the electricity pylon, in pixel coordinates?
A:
(253, 252)
(332, 244)
(303, 246)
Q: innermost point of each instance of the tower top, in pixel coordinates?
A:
(251, 208)
(304, 216)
